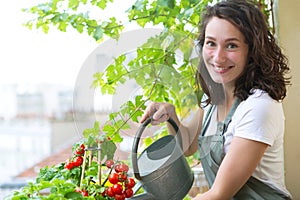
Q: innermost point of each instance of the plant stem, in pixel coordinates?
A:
(83, 169)
(99, 163)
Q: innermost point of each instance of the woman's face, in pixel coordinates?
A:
(225, 52)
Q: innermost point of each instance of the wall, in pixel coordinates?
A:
(289, 32)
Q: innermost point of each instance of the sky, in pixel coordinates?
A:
(33, 57)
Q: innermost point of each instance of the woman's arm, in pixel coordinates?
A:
(161, 112)
(236, 168)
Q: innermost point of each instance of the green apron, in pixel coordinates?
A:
(212, 153)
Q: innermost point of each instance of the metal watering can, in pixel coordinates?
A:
(161, 169)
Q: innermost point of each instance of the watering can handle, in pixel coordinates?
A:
(137, 140)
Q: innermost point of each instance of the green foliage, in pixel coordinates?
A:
(75, 13)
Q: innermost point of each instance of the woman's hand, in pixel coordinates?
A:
(159, 112)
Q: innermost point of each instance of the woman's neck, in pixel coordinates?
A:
(225, 106)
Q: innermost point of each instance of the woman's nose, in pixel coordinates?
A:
(219, 55)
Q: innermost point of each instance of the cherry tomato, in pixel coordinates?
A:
(110, 192)
(122, 176)
(109, 163)
(104, 193)
(129, 183)
(84, 193)
(80, 150)
(121, 168)
(128, 193)
(69, 165)
(82, 147)
(124, 168)
(119, 196)
(117, 168)
(117, 188)
(113, 178)
(78, 161)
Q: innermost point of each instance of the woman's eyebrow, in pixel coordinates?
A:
(227, 40)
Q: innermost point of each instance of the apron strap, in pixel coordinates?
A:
(224, 124)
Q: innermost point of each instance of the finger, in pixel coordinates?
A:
(162, 118)
(160, 114)
(144, 117)
(150, 109)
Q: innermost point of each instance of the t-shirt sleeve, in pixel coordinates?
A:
(259, 119)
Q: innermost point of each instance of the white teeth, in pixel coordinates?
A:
(220, 68)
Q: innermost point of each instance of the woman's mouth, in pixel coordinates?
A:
(221, 69)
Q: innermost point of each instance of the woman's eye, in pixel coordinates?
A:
(231, 46)
(210, 43)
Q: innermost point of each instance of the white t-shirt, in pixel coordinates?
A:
(259, 118)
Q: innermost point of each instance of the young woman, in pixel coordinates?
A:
(239, 129)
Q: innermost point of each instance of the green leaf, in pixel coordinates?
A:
(109, 129)
(108, 149)
(117, 137)
(166, 3)
(102, 4)
(45, 28)
(98, 34)
(73, 195)
(62, 26)
(73, 4)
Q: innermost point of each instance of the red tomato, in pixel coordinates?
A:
(113, 178)
(128, 193)
(117, 168)
(124, 168)
(82, 147)
(80, 150)
(69, 165)
(85, 193)
(104, 193)
(119, 196)
(117, 188)
(109, 163)
(110, 192)
(129, 183)
(78, 161)
(121, 168)
(122, 176)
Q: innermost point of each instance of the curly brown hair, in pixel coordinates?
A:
(267, 65)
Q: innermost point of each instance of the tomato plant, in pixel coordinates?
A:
(84, 175)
